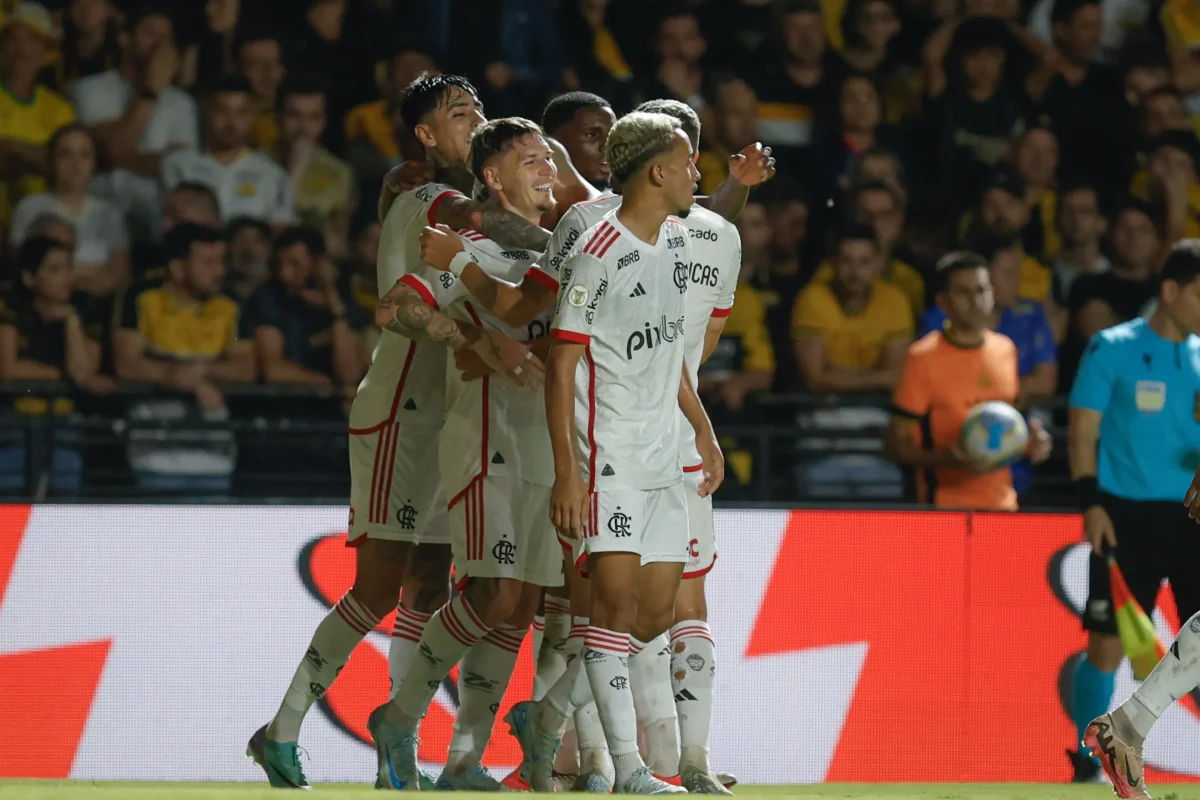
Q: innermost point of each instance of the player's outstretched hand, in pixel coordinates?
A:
(471, 365)
(569, 505)
(1098, 528)
(713, 465)
(510, 358)
(1191, 500)
(1040, 442)
(753, 165)
(439, 246)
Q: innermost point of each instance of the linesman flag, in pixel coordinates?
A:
(1138, 636)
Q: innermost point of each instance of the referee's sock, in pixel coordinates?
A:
(1092, 692)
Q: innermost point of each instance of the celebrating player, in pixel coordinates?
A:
(1133, 442)
(396, 501)
(504, 554)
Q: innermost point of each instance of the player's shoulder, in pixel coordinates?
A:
(429, 192)
(926, 347)
(701, 219)
(888, 297)
(587, 212)
(999, 345)
(1119, 337)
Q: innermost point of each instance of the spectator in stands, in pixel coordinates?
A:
(879, 164)
(1162, 110)
(594, 56)
(677, 73)
(1035, 157)
(851, 333)
(215, 53)
(102, 240)
(859, 127)
(1170, 179)
(973, 109)
(43, 337)
(876, 204)
(1122, 292)
(371, 128)
(246, 183)
(1020, 319)
(90, 44)
(183, 334)
(249, 257)
(1082, 91)
(187, 203)
(946, 373)
(29, 112)
(804, 81)
(1145, 68)
(357, 280)
(1081, 227)
(300, 323)
(52, 226)
(1003, 207)
(782, 273)
(869, 28)
(323, 184)
(260, 61)
(735, 123)
(136, 117)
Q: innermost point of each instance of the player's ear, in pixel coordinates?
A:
(657, 174)
(491, 179)
(1170, 291)
(424, 135)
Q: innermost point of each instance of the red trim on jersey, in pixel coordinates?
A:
(408, 359)
(414, 283)
(601, 240)
(570, 336)
(596, 199)
(591, 431)
(722, 312)
(485, 391)
(437, 201)
(695, 468)
(676, 220)
(473, 235)
(537, 276)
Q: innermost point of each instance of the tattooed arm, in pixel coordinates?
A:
(403, 311)
(493, 222)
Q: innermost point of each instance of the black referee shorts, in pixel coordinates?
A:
(1154, 541)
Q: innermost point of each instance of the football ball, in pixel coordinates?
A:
(995, 432)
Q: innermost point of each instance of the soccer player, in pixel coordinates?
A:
(396, 501)
(947, 372)
(505, 551)
(1133, 439)
(581, 122)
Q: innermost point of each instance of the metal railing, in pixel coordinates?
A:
(796, 449)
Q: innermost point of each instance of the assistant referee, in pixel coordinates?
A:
(1134, 446)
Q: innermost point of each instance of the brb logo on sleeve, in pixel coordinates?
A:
(650, 337)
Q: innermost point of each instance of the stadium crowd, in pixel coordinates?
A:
(188, 191)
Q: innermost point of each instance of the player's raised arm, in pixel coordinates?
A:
(403, 310)
(749, 168)
(706, 438)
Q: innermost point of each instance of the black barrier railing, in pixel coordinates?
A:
(288, 444)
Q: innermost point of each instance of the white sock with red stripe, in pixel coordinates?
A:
(483, 676)
(550, 654)
(453, 630)
(406, 634)
(606, 661)
(332, 643)
(650, 678)
(693, 671)
(561, 699)
(538, 633)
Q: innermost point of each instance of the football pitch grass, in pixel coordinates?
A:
(70, 790)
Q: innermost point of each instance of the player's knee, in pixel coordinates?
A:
(427, 585)
(652, 621)
(379, 573)
(617, 611)
(690, 605)
(494, 599)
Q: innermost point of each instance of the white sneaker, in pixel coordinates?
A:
(642, 781)
(474, 778)
(538, 748)
(703, 783)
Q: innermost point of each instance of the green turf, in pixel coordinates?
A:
(70, 790)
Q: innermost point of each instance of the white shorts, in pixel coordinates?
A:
(650, 522)
(702, 540)
(394, 495)
(500, 528)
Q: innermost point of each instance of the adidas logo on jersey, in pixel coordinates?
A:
(684, 696)
(607, 471)
(410, 405)
(638, 291)
(497, 459)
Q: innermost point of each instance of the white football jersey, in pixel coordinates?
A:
(407, 379)
(625, 299)
(492, 426)
(713, 278)
(571, 225)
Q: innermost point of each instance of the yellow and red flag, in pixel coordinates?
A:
(1136, 629)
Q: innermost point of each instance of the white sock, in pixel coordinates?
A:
(483, 676)
(406, 635)
(452, 631)
(1176, 675)
(334, 640)
(551, 657)
(539, 635)
(606, 661)
(693, 671)
(558, 702)
(589, 734)
(650, 679)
